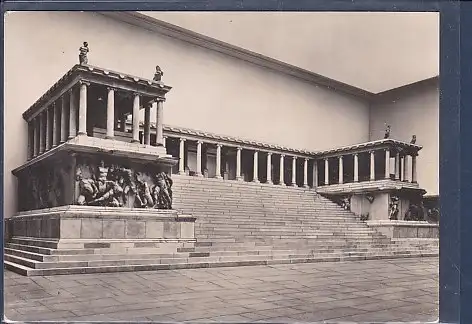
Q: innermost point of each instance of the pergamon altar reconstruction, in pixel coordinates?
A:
(195, 167)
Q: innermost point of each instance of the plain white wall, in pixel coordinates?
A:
(413, 110)
(211, 91)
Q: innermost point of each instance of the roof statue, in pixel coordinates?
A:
(413, 139)
(387, 131)
(159, 73)
(83, 60)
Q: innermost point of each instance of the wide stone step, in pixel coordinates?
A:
(29, 271)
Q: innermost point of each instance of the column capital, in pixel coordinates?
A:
(136, 94)
(239, 148)
(111, 88)
(219, 145)
(83, 82)
(200, 142)
(355, 154)
(282, 155)
(306, 159)
(183, 139)
(294, 157)
(387, 149)
(269, 153)
(340, 157)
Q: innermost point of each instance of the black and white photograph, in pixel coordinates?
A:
(230, 167)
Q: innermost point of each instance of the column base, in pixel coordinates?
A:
(134, 141)
(109, 137)
(239, 179)
(269, 182)
(81, 133)
(218, 177)
(181, 172)
(305, 186)
(255, 181)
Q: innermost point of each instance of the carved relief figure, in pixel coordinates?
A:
(415, 212)
(346, 203)
(162, 191)
(83, 51)
(393, 208)
(413, 139)
(117, 187)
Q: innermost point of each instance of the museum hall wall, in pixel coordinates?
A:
(412, 109)
(211, 91)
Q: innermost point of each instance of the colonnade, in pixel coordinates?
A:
(404, 165)
(256, 157)
(66, 118)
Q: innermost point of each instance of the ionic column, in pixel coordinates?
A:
(55, 125)
(397, 166)
(238, 164)
(405, 169)
(72, 114)
(48, 128)
(64, 132)
(341, 171)
(315, 174)
(294, 171)
(164, 141)
(30, 151)
(356, 167)
(372, 165)
(305, 173)
(182, 156)
(83, 109)
(326, 182)
(413, 169)
(282, 170)
(36, 136)
(387, 164)
(218, 161)
(110, 113)
(42, 135)
(256, 167)
(402, 167)
(147, 125)
(135, 118)
(269, 168)
(159, 122)
(199, 159)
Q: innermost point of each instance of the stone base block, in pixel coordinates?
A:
(406, 229)
(102, 223)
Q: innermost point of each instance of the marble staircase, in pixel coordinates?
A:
(238, 224)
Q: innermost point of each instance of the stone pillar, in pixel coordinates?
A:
(164, 141)
(30, 151)
(36, 136)
(55, 125)
(256, 167)
(48, 128)
(182, 156)
(387, 164)
(218, 161)
(199, 159)
(397, 166)
(413, 169)
(72, 114)
(341, 170)
(159, 122)
(147, 125)
(372, 165)
(110, 113)
(402, 166)
(135, 118)
(42, 135)
(305, 173)
(282, 170)
(356, 167)
(405, 169)
(315, 173)
(83, 109)
(238, 164)
(294, 171)
(64, 132)
(269, 168)
(326, 182)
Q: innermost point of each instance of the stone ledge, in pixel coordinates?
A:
(406, 229)
(366, 186)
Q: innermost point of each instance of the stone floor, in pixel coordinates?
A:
(364, 291)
